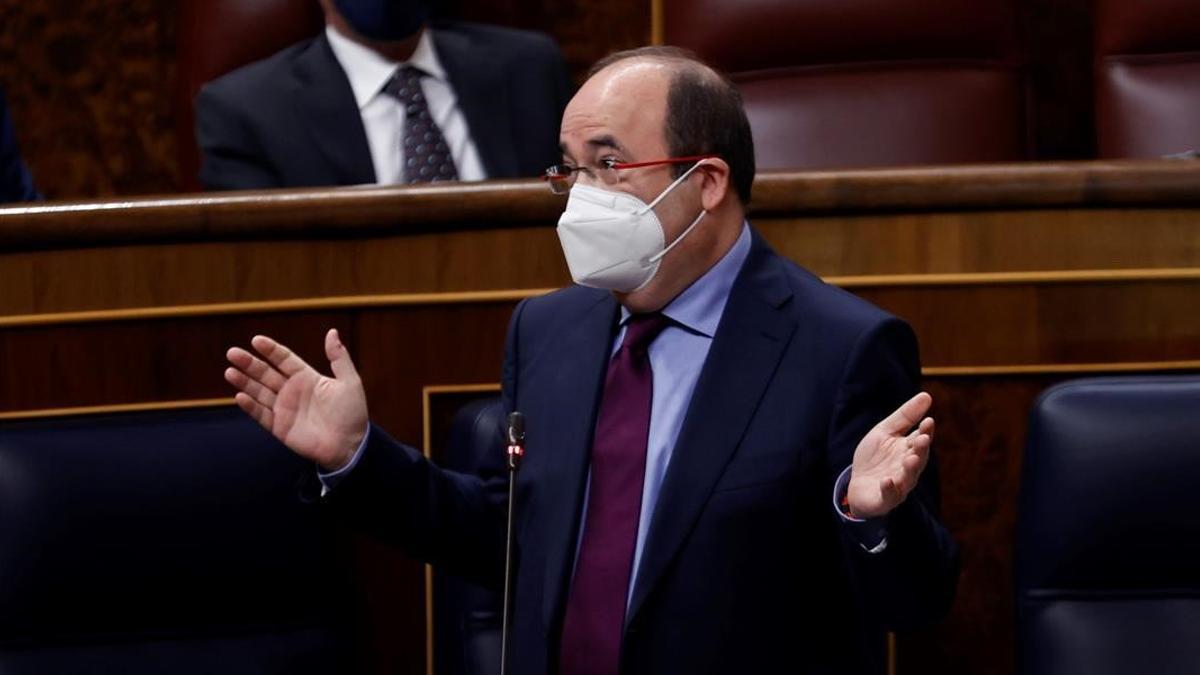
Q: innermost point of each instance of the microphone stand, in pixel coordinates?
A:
(515, 452)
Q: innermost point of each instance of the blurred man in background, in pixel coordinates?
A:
(385, 96)
(16, 185)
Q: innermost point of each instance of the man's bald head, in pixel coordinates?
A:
(704, 112)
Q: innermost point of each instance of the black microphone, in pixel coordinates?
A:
(515, 435)
(516, 440)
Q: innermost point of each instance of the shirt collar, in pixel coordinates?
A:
(368, 70)
(699, 308)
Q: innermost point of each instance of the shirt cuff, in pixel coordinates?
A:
(331, 479)
(871, 533)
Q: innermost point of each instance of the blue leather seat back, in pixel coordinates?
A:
(467, 618)
(1108, 535)
(163, 542)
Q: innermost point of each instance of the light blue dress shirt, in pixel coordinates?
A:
(676, 358)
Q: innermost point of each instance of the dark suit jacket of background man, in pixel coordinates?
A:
(747, 568)
(291, 120)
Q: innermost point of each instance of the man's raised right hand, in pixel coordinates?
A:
(320, 418)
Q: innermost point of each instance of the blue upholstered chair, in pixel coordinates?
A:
(163, 542)
(1108, 534)
(467, 617)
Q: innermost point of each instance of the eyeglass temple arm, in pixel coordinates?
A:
(653, 162)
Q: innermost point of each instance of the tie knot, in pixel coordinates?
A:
(642, 329)
(405, 84)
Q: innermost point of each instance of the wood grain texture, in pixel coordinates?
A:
(961, 326)
(980, 438)
(355, 211)
(89, 84)
(1002, 270)
(280, 245)
(857, 251)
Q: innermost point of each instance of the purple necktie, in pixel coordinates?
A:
(595, 617)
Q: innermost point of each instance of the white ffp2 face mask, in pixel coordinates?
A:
(613, 240)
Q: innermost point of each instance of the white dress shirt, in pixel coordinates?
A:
(383, 115)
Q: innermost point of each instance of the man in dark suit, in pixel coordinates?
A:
(16, 185)
(384, 97)
(728, 463)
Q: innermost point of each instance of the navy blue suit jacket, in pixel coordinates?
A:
(747, 567)
(291, 120)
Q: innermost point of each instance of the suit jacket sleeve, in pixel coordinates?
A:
(912, 582)
(231, 157)
(451, 520)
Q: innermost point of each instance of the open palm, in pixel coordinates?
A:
(320, 418)
(890, 458)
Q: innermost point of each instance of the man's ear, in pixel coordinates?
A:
(714, 183)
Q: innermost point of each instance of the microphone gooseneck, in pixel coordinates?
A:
(515, 452)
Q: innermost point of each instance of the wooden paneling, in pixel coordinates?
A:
(849, 248)
(983, 323)
(499, 236)
(981, 433)
(1019, 324)
(1013, 279)
(410, 209)
(398, 350)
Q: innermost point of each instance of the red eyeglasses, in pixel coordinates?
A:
(561, 177)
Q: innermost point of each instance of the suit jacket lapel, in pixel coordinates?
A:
(580, 360)
(745, 353)
(324, 100)
(480, 85)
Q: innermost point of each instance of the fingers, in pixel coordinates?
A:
(257, 390)
(919, 444)
(907, 415)
(926, 426)
(923, 430)
(258, 411)
(339, 357)
(278, 355)
(256, 368)
(912, 463)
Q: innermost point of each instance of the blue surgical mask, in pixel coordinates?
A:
(385, 20)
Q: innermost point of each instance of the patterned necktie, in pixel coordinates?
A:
(426, 154)
(595, 616)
